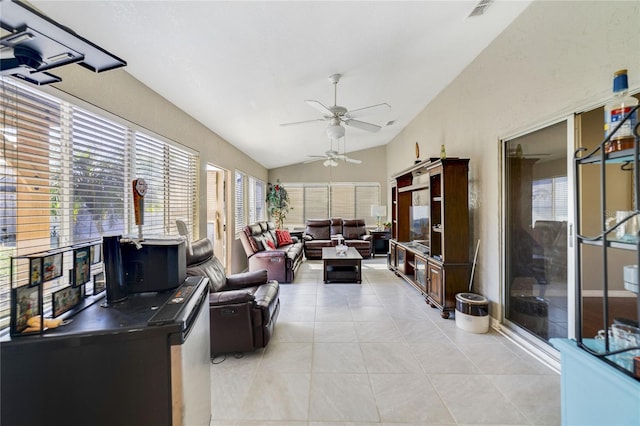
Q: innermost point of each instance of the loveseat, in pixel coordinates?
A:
(318, 234)
(243, 308)
(268, 248)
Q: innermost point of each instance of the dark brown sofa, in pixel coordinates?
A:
(282, 262)
(243, 308)
(319, 231)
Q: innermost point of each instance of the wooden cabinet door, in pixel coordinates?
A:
(420, 273)
(435, 290)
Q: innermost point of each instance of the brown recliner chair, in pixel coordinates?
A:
(243, 307)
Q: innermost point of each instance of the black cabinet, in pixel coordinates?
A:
(380, 242)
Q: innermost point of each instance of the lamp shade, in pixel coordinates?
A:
(378, 210)
(335, 131)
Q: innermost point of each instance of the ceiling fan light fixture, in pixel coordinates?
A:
(335, 131)
(330, 162)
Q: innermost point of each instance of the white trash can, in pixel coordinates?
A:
(472, 312)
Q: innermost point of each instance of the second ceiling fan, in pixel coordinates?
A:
(337, 115)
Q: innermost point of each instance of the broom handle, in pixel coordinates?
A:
(473, 267)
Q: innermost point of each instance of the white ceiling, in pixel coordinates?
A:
(243, 68)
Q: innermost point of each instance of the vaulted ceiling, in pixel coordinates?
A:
(244, 68)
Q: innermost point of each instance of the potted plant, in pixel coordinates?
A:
(387, 226)
(278, 203)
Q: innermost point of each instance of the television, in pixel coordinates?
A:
(419, 224)
(419, 216)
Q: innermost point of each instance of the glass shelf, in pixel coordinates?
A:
(618, 157)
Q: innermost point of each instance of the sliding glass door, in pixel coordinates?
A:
(538, 207)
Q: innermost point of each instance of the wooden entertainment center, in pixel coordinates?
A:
(430, 230)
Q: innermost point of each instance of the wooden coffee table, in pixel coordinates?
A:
(346, 268)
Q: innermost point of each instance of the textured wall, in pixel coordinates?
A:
(555, 59)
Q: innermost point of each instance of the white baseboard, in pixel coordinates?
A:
(549, 358)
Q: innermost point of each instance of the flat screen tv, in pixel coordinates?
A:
(419, 224)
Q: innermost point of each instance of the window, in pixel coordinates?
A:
(257, 197)
(240, 216)
(65, 178)
(322, 201)
(250, 200)
(550, 199)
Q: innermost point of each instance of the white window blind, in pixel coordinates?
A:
(367, 196)
(172, 190)
(295, 217)
(240, 220)
(316, 202)
(343, 201)
(65, 178)
(98, 181)
(256, 200)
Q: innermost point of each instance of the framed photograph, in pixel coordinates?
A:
(81, 266)
(65, 299)
(26, 303)
(96, 253)
(51, 267)
(35, 271)
(99, 283)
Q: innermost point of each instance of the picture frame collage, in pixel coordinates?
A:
(27, 301)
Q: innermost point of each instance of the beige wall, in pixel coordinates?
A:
(120, 94)
(372, 169)
(555, 59)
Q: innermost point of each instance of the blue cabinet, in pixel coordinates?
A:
(594, 392)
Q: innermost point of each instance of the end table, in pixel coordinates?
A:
(380, 242)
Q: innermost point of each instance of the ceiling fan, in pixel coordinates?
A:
(331, 158)
(336, 114)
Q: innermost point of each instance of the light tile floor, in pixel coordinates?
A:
(376, 354)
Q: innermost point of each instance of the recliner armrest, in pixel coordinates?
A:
(222, 298)
(246, 279)
(366, 237)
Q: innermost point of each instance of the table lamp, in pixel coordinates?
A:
(378, 211)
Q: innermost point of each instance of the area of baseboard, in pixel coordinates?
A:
(547, 358)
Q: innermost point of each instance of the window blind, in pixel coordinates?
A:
(256, 200)
(343, 201)
(65, 178)
(365, 197)
(316, 202)
(239, 202)
(295, 217)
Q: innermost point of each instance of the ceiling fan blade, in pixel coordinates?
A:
(320, 157)
(362, 125)
(320, 107)
(294, 123)
(352, 160)
(373, 109)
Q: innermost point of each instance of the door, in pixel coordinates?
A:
(217, 211)
(435, 284)
(538, 258)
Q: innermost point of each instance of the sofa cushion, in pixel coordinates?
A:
(336, 225)
(353, 228)
(283, 237)
(319, 229)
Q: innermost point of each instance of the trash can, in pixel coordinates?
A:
(472, 312)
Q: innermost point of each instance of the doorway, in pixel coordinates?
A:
(216, 211)
(538, 293)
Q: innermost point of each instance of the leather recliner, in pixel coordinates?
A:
(243, 307)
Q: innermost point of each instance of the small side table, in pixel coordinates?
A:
(380, 242)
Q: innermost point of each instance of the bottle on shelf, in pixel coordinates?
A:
(614, 111)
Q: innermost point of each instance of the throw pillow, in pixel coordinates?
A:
(270, 245)
(284, 237)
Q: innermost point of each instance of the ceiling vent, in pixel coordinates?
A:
(35, 44)
(480, 8)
